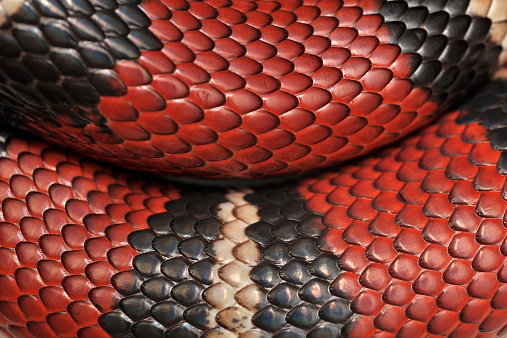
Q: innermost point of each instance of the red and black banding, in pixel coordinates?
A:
(175, 284)
(489, 108)
(165, 293)
(236, 89)
(409, 242)
(63, 237)
(297, 271)
(419, 228)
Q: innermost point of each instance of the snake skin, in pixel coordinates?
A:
(238, 89)
(409, 242)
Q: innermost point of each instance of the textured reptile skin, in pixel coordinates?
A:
(410, 242)
(238, 89)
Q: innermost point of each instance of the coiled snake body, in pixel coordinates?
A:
(409, 242)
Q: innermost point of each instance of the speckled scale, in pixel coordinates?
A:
(267, 90)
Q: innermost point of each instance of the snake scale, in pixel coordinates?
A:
(380, 126)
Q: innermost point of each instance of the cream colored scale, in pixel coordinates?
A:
(496, 10)
(234, 296)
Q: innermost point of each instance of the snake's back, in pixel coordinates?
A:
(410, 242)
(407, 241)
(239, 89)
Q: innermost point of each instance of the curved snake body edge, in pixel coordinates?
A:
(408, 242)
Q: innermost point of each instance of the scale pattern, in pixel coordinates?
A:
(493, 108)
(212, 264)
(238, 89)
(494, 9)
(63, 235)
(409, 242)
(419, 230)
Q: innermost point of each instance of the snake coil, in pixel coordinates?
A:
(407, 241)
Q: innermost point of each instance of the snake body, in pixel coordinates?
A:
(239, 89)
(407, 242)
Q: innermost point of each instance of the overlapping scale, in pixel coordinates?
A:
(63, 236)
(408, 242)
(239, 89)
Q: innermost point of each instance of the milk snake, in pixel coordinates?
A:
(408, 238)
